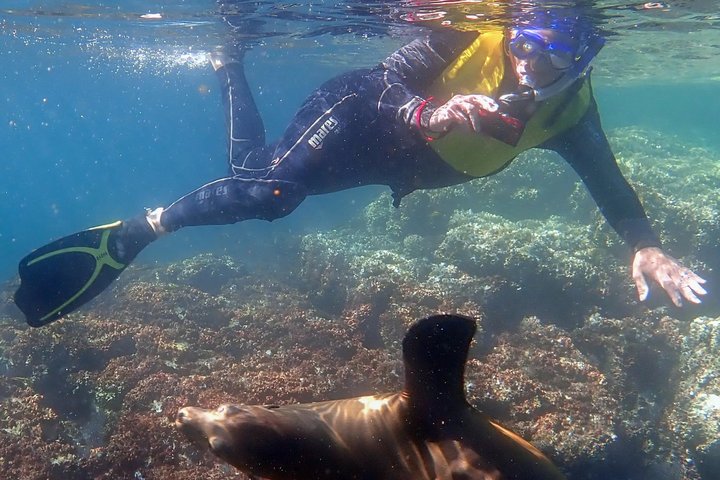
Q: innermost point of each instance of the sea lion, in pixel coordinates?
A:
(428, 431)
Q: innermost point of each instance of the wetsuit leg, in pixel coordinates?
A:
(312, 157)
(342, 137)
(245, 129)
(242, 195)
(233, 199)
(337, 140)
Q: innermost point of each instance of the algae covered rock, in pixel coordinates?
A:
(206, 272)
(696, 416)
(543, 258)
(537, 379)
(565, 353)
(679, 185)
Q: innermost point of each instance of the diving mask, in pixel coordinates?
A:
(529, 44)
(568, 57)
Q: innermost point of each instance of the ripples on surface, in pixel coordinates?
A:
(646, 40)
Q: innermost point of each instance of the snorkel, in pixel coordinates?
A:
(573, 63)
(580, 68)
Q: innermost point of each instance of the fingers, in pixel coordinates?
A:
(478, 102)
(641, 286)
(466, 115)
(445, 117)
(463, 110)
(442, 120)
(474, 118)
(672, 288)
(486, 103)
(690, 286)
(682, 284)
(639, 279)
(475, 103)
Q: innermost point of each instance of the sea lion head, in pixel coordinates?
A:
(226, 429)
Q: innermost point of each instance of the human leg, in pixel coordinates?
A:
(323, 150)
(60, 277)
(336, 141)
(230, 200)
(244, 126)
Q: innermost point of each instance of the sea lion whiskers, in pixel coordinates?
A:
(204, 428)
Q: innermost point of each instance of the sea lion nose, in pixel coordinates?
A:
(182, 416)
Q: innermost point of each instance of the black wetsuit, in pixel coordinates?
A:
(359, 129)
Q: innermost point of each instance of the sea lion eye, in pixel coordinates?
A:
(228, 409)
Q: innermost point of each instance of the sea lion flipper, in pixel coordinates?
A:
(434, 352)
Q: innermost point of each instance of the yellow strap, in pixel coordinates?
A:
(478, 69)
(480, 155)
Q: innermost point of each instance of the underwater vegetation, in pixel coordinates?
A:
(427, 431)
(565, 355)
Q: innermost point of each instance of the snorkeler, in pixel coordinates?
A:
(440, 111)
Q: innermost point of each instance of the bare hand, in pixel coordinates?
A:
(461, 110)
(678, 281)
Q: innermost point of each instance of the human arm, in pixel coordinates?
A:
(473, 113)
(409, 72)
(463, 111)
(679, 282)
(587, 150)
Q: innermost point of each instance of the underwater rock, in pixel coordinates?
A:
(537, 185)
(126, 365)
(543, 259)
(106, 384)
(33, 442)
(7, 306)
(565, 355)
(695, 414)
(679, 184)
(639, 356)
(508, 269)
(206, 272)
(383, 289)
(426, 431)
(168, 304)
(325, 271)
(537, 381)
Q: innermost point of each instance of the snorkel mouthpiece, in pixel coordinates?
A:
(580, 68)
(574, 64)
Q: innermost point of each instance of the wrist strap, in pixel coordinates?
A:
(418, 114)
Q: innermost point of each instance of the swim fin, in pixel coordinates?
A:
(61, 276)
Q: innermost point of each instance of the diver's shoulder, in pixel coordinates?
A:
(427, 56)
(450, 43)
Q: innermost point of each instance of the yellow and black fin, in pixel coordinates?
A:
(61, 276)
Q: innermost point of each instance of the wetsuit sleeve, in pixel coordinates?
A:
(585, 147)
(423, 60)
(400, 105)
(410, 71)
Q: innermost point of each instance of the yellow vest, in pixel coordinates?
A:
(480, 69)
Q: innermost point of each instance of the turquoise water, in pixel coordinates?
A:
(101, 118)
(109, 108)
(106, 113)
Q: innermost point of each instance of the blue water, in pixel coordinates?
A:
(105, 113)
(88, 139)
